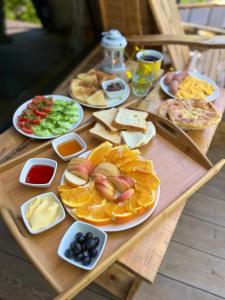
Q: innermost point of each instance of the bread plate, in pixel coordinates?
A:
(111, 102)
(54, 97)
(197, 75)
(119, 227)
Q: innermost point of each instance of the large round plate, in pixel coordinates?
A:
(111, 102)
(54, 97)
(197, 75)
(120, 227)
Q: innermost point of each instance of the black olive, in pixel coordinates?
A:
(88, 236)
(69, 253)
(80, 239)
(78, 234)
(73, 245)
(92, 243)
(84, 246)
(86, 261)
(79, 257)
(93, 252)
(77, 248)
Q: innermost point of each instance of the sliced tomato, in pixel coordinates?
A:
(23, 118)
(49, 102)
(36, 121)
(38, 99)
(47, 109)
(27, 130)
(41, 114)
(31, 106)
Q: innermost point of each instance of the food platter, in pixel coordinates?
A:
(197, 75)
(54, 97)
(119, 227)
(111, 102)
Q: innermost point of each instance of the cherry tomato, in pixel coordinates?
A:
(27, 130)
(38, 99)
(47, 109)
(31, 106)
(36, 121)
(49, 101)
(23, 119)
(39, 113)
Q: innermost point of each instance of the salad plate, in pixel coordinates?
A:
(64, 115)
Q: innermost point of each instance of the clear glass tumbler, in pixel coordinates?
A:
(141, 84)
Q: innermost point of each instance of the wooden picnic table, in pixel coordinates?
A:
(143, 261)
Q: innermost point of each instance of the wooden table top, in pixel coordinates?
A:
(145, 258)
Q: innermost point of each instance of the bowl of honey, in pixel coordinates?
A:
(69, 146)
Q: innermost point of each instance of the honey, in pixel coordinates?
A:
(69, 147)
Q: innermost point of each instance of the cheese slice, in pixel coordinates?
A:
(135, 139)
(42, 212)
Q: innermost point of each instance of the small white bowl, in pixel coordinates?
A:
(67, 137)
(37, 161)
(68, 237)
(60, 217)
(113, 94)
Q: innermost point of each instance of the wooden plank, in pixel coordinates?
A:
(167, 39)
(206, 208)
(170, 289)
(202, 4)
(195, 268)
(201, 235)
(193, 27)
(215, 188)
(199, 16)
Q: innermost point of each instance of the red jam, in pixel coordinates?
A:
(39, 174)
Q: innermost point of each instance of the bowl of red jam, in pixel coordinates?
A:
(38, 172)
(69, 146)
(114, 88)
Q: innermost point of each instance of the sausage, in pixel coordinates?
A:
(173, 87)
(181, 76)
(169, 77)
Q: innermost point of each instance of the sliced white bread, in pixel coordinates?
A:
(135, 139)
(130, 119)
(106, 118)
(102, 134)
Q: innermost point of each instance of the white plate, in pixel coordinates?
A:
(54, 97)
(114, 227)
(197, 75)
(111, 102)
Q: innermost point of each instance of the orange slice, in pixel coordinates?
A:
(121, 155)
(65, 187)
(141, 165)
(109, 207)
(147, 200)
(133, 206)
(95, 215)
(99, 153)
(75, 197)
(120, 215)
(150, 180)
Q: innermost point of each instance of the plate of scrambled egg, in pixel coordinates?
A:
(189, 85)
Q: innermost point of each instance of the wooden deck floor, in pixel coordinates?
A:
(193, 268)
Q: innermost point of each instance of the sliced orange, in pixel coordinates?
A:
(95, 215)
(148, 179)
(109, 207)
(65, 187)
(99, 153)
(121, 155)
(132, 205)
(120, 215)
(76, 197)
(141, 165)
(147, 200)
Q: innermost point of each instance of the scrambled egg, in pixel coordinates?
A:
(193, 88)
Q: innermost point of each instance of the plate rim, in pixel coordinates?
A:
(198, 75)
(32, 136)
(126, 93)
(119, 227)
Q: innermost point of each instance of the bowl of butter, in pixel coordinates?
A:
(42, 212)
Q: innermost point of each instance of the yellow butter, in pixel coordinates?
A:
(42, 212)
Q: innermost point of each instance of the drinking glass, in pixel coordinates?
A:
(141, 84)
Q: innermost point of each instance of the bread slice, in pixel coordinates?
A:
(88, 78)
(106, 118)
(97, 99)
(135, 139)
(101, 133)
(130, 119)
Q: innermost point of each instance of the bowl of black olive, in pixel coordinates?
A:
(82, 245)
